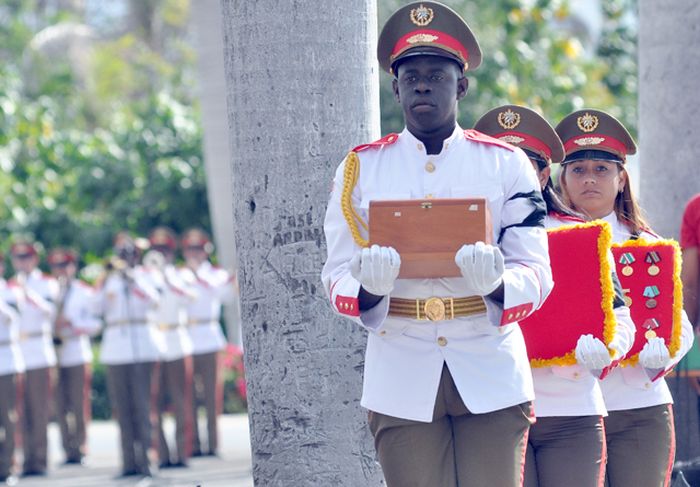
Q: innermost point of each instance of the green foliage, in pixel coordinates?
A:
(109, 141)
(530, 58)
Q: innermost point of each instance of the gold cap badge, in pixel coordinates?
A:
(422, 15)
(587, 122)
(508, 119)
(583, 141)
(512, 139)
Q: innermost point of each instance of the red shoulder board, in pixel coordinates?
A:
(476, 136)
(386, 140)
(569, 218)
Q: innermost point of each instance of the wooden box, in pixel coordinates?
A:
(428, 233)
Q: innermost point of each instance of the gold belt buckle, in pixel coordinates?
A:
(434, 309)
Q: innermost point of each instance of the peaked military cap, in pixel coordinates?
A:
(23, 248)
(524, 128)
(594, 134)
(427, 28)
(163, 237)
(59, 256)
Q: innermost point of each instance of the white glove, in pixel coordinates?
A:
(482, 266)
(376, 268)
(655, 354)
(592, 354)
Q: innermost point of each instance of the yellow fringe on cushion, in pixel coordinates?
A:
(350, 176)
(606, 288)
(676, 327)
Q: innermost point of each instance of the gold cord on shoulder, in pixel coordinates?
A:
(350, 177)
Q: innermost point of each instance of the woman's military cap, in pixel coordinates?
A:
(596, 135)
(427, 28)
(524, 128)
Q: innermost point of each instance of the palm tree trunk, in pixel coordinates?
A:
(302, 90)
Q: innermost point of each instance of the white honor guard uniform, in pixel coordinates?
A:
(11, 360)
(81, 309)
(630, 387)
(212, 286)
(129, 307)
(171, 313)
(485, 353)
(36, 311)
(11, 364)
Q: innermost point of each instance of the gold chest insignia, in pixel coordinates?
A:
(511, 139)
(508, 119)
(587, 122)
(422, 38)
(589, 141)
(422, 15)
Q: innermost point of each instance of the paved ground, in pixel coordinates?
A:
(232, 469)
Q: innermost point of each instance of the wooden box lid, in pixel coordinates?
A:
(428, 233)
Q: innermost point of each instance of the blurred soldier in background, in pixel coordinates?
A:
(131, 348)
(11, 366)
(36, 309)
(74, 323)
(213, 286)
(175, 374)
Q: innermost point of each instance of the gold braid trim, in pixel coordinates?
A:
(350, 177)
(676, 328)
(606, 288)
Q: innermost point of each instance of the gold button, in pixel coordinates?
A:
(442, 341)
(419, 146)
(647, 385)
(430, 167)
(383, 332)
(576, 375)
(429, 196)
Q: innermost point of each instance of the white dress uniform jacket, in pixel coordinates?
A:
(573, 390)
(11, 361)
(128, 307)
(213, 286)
(80, 308)
(171, 313)
(36, 312)
(485, 353)
(630, 387)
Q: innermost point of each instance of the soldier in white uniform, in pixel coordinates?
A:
(212, 286)
(11, 366)
(447, 379)
(175, 370)
(75, 322)
(567, 444)
(131, 348)
(36, 311)
(639, 429)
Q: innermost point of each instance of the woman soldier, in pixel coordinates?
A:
(639, 427)
(566, 445)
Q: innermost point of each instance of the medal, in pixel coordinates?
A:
(652, 258)
(650, 324)
(626, 297)
(651, 292)
(627, 258)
